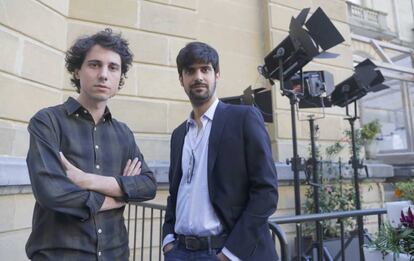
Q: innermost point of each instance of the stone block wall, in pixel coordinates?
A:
(34, 35)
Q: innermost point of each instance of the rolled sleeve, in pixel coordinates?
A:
(137, 188)
(168, 239)
(95, 202)
(140, 187)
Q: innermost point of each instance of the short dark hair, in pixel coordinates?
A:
(197, 52)
(75, 56)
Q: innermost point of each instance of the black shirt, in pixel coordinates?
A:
(67, 224)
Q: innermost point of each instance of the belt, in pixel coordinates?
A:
(195, 243)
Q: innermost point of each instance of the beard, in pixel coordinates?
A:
(200, 93)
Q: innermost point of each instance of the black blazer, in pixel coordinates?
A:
(242, 180)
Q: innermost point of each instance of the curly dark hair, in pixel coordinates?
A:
(197, 52)
(106, 39)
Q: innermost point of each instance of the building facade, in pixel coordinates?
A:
(34, 34)
(383, 31)
(34, 41)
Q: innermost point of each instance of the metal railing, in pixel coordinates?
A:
(275, 223)
(278, 232)
(147, 236)
(144, 224)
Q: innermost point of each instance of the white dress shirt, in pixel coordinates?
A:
(195, 214)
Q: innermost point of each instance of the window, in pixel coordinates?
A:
(387, 106)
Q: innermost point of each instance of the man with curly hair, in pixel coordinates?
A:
(84, 165)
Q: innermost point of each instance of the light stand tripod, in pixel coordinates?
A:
(296, 162)
(312, 169)
(356, 165)
(313, 162)
(366, 78)
(284, 61)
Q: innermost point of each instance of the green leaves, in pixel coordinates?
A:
(334, 195)
(370, 130)
(405, 190)
(394, 240)
(363, 136)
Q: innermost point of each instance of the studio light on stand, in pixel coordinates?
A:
(260, 98)
(313, 89)
(302, 45)
(284, 61)
(366, 78)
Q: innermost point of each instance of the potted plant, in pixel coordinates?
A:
(365, 136)
(405, 190)
(394, 243)
(369, 133)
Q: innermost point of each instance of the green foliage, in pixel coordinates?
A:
(335, 195)
(387, 240)
(363, 136)
(334, 149)
(405, 190)
(359, 142)
(394, 240)
(370, 130)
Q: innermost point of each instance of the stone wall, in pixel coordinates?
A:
(34, 35)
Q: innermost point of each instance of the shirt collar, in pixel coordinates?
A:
(72, 106)
(209, 114)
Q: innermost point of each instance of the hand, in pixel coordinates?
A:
(132, 168)
(111, 203)
(168, 247)
(222, 257)
(76, 175)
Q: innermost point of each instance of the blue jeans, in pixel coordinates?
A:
(180, 253)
